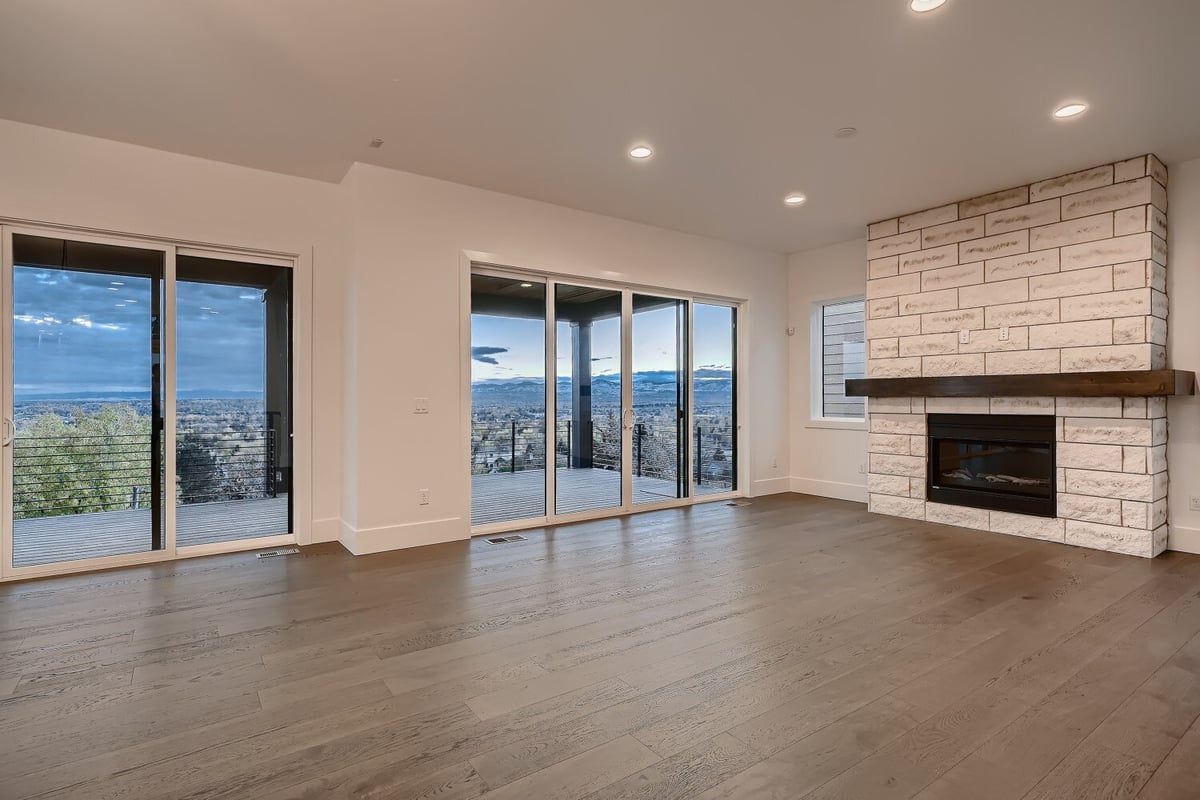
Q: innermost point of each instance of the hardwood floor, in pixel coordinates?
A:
(795, 647)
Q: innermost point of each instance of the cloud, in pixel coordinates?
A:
(484, 354)
(72, 334)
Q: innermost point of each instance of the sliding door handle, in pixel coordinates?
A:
(10, 431)
(627, 418)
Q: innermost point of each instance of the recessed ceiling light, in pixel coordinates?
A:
(1069, 110)
(921, 6)
(844, 133)
(376, 143)
(641, 151)
(795, 199)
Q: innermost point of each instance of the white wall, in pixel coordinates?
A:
(68, 179)
(1183, 349)
(825, 457)
(405, 334)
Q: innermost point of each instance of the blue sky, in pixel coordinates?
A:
(84, 332)
(505, 347)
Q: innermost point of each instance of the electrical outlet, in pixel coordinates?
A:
(1004, 334)
(964, 336)
(862, 469)
(1194, 504)
(421, 405)
(774, 463)
(422, 497)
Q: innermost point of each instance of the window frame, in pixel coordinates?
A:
(816, 416)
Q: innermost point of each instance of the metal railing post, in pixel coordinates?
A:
(699, 456)
(641, 432)
(272, 444)
(513, 462)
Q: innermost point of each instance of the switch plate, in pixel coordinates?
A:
(1194, 504)
(422, 497)
(964, 336)
(421, 405)
(1004, 334)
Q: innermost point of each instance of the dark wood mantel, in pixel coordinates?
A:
(1131, 383)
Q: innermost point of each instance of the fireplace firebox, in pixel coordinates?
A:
(1003, 462)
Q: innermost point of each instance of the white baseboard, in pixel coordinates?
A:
(1185, 540)
(326, 530)
(361, 541)
(770, 486)
(838, 490)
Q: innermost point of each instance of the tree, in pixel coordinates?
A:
(95, 461)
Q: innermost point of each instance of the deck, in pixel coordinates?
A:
(506, 496)
(46, 540)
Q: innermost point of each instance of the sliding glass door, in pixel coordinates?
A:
(714, 392)
(635, 416)
(85, 432)
(508, 399)
(659, 399)
(588, 423)
(147, 401)
(233, 409)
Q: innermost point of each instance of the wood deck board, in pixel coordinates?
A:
(795, 647)
(45, 540)
(506, 496)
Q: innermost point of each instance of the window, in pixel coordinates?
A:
(838, 333)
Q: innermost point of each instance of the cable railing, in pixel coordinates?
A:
(61, 475)
(714, 453)
(506, 446)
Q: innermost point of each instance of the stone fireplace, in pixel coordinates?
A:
(1063, 277)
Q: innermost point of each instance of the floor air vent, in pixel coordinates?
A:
(282, 551)
(505, 539)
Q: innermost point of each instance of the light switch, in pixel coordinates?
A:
(964, 336)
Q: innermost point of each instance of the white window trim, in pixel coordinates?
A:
(816, 338)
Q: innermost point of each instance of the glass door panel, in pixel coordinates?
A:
(87, 400)
(714, 398)
(233, 444)
(588, 419)
(659, 373)
(508, 399)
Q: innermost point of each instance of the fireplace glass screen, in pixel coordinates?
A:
(1003, 462)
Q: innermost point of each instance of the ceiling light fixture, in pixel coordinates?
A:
(641, 152)
(1068, 110)
(845, 133)
(795, 199)
(922, 6)
(376, 143)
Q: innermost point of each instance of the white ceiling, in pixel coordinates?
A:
(542, 98)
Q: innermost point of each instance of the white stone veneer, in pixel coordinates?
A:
(1075, 268)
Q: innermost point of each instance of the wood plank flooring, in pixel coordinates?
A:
(795, 647)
